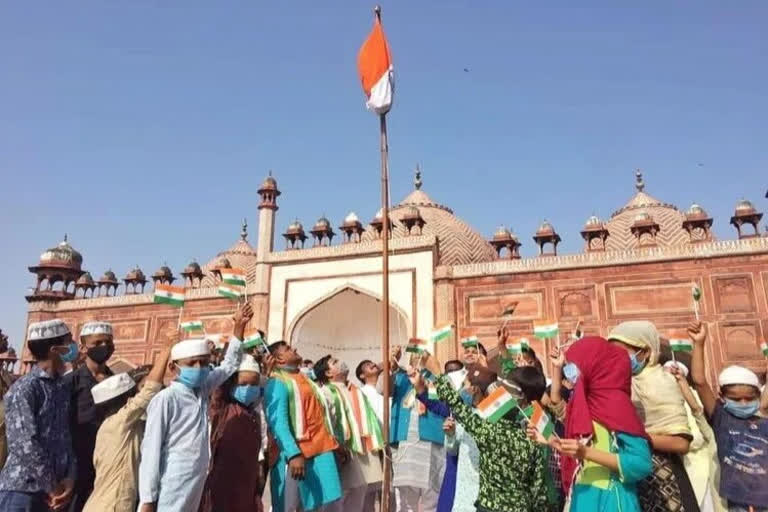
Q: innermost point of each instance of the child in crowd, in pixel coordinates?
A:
(742, 435)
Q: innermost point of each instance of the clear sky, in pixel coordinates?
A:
(143, 129)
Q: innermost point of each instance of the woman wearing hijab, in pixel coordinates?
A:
(661, 406)
(606, 448)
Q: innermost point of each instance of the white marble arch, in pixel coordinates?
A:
(347, 324)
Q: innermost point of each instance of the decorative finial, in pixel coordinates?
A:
(270, 172)
(65, 237)
(377, 10)
(639, 183)
(417, 179)
(244, 231)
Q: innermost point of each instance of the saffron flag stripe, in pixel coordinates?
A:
(680, 345)
(235, 276)
(167, 294)
(374, 62)
(496, 405)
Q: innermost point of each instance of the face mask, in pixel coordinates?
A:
(246, 395)
(740, 410)
(70, 355)
(637, 366)
(467, 397)
(343, 368)
(100, 354)
(308, 372)
(571, 372)
(192, 377)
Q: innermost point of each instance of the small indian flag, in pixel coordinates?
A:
(496, 405)
(443, 333)
(234, 276)
(229, 291)
(470, 342)
(680, 345)
(764, 348)
(253, 339)
(696, 292)
(432, 392)
(515, 348)
(416, 346)
(509, 309)
(167, 294)
(547, 330)
(194, 325)
(540, 420)
(374, 63)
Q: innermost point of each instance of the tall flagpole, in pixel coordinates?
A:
(386, 483)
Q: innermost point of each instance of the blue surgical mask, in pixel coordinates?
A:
(246, 394)
(740, 410)
(70, 355)
(571, 372)
(467, 397)
(308, 372)
(193, 377)
(637, 366)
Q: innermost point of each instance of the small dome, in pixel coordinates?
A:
(163, 272)
(108, 277)
(696, 211)
(193, 268)
(223, 262)
(593, 221)
(85, 280)
(322, 223)
(351, 218)
(744, 207)
(135, 275)
(545, 228)
(643, 217)
(502, 232)
(295, 227)
(411, 212)
(379, 214)
(62, 255)
(269, 183)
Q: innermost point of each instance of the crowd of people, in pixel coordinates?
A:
(621, 425)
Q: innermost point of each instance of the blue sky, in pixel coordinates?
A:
(144, 128)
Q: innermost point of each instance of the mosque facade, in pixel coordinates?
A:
(322, 291)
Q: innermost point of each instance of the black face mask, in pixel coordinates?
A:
(100, 354)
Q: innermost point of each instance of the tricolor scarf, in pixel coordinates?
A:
(295, 408)
(356, 422)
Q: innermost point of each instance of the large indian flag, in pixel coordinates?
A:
(496, 405)
(235, 276)
(680, 345)
(191, 326)
(167, 294)
(546, 330)
(443, 333)
(540, 420)
(229, 291)
(374, 63)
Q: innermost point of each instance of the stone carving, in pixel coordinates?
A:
(734, 294)
(648, 299)
(576, 303)
(485, 308)
(740, 340)
(130, 331)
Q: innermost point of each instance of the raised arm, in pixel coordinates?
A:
(234, 354)
(698, 334)
(151, 451)
(558, 361)
(434, 406)
(135, 408)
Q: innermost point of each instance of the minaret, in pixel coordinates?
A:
(265, 243)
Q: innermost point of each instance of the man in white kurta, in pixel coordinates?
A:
(176, 450)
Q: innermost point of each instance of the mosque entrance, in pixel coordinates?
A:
(347, 324)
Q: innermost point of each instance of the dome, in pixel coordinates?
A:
(135, 275)
(643, 217)
(667, 216)
(322, 223)
(744, 207)
(696, 211)
(239, 255)
(502, 233)
(223, 263)
(163, 272)
(593, 222)
(458, 243)
(295, 227)
(545, 229)
(108, 277)
(379, 214)
(85, 280)
(351, 218)
(63, 255)
(411, 212)
(193, 268)
(269, 183)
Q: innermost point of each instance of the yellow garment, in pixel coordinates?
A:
(116, 455)
(655, 393)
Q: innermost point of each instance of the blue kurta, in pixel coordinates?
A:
(175, 450)
(321, 484)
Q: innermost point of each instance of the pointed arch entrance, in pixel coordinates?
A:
(347, 324)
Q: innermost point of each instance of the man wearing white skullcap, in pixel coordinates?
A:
(97, 344)
(742, 436)
(118, 443)
(235, 437)
(175, 451)
(40, 470)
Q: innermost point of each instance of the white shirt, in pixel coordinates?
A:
(375, 399)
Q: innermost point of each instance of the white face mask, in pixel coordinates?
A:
(457, 378)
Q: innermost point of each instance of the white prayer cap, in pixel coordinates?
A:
(249, 364)
(96, 328)
(112, 387)
(47, 330)
(738, 375)
(190, 348)
(681, 366)
(216, 339)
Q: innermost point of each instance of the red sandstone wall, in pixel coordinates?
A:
(734, 303)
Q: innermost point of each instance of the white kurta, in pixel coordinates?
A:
(176, 449)
(375, 399)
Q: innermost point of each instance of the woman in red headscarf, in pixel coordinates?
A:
(605, 446)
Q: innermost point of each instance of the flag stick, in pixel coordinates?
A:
(181, 312)
(696, 309)
(673, 355)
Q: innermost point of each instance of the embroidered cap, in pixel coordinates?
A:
(249, 364)
(190, 348)
(47, 330)
(112, 387)
(90, 328)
